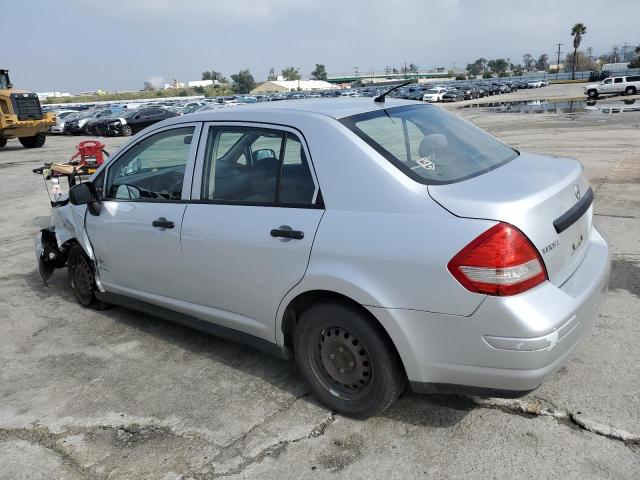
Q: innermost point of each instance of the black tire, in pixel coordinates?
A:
(3, 142)
(356, 372)
(126, 130)
(630, 90)
(592, 93)
(81, 278)
(33, 142)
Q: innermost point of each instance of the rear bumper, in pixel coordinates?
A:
(508, 343)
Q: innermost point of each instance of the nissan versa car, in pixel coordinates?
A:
(380, 243)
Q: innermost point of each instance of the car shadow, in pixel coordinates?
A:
(435, 411)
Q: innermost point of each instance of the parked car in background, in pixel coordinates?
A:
(453, 96)
(90, 123)
(433, 95)
(62, 116)
(76, 125)
(444, 268)
(629, 85)
(132, 121)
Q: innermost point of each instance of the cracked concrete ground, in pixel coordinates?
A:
(120, 395)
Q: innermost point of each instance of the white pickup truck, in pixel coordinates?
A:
(629, 85)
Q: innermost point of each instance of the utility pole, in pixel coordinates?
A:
(558, 63)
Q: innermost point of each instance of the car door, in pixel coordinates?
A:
(136, 235)
(607, 85)
(248, 231)
(618, 85)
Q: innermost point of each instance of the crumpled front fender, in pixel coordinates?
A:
(65, 224)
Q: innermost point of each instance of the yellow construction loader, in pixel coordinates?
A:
(21, 115)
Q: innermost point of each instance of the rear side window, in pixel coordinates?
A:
(256, 166)
(634, 79)
(429, 144)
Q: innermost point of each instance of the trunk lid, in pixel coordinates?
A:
(531, 192)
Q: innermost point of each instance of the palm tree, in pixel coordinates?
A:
(578, 30)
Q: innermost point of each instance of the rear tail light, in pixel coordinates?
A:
(501, 261)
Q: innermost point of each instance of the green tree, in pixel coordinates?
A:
(517, 70)
(579, 61)
(578, 30)
(487, 75)
(498, 66)
(291, 73)
(243, 81)
(218, 76)
(477, 68)
(528, 62)
(272, 75)
(543, 62)
(320, 73)
(206, 75)
(148, 86)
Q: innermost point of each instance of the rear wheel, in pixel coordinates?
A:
(347, 360)
(126, 130)
(82, 279)
(33, 142)
(630, 90)
(3, 142)
(592, 93)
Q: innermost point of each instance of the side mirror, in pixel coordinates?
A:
(85, 194)
(262, 154)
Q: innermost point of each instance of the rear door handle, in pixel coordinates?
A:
(162, 223)
(287, 233)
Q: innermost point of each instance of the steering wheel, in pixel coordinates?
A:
(161, 181)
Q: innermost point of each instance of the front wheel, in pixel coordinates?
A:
(630, 90)
(82, 278)
(592, 94)
(347, 360)
(33, 142)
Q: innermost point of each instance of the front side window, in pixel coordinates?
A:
(256, 166)
(429, 144)
(152, 169)
(607, 82)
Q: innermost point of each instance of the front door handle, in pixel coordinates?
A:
(287, 232)
(162, 223)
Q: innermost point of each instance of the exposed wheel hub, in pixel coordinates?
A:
(344, 359)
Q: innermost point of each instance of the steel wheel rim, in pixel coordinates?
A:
(341, 363)
(83, 280)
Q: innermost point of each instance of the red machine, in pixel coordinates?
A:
(91, 153)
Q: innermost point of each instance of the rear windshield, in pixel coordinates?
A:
(429, 144)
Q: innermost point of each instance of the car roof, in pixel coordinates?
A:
(337, 108)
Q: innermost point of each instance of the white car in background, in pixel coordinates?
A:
(434, 95)
(628, 85)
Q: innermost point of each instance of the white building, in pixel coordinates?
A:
(292, 86)
(45, 95)
(202, 83)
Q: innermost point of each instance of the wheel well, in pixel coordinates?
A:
(305, 300)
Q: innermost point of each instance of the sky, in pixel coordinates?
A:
(83, 45)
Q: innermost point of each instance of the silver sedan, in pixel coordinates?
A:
(380, 243)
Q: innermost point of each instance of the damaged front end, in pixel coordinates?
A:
(52, 244)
